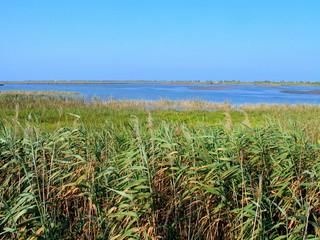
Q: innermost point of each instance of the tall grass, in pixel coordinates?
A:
(48, 110)
(158, 181)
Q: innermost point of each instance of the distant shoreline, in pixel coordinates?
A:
(39, 93)
(282, 83)
(301, 92)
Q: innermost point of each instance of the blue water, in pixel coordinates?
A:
(234, 94)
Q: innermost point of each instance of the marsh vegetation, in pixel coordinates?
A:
(73, 169)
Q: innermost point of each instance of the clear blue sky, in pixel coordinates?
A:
(243, 40)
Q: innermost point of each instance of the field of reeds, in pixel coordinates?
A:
(73, 169)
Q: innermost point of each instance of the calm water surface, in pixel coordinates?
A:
(235, 94)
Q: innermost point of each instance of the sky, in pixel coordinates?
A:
(246, 40)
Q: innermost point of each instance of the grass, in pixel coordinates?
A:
(50, 109)
(77, 170)
(41, 93)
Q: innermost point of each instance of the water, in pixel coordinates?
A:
(234, 94)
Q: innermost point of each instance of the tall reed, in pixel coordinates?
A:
(164, 181)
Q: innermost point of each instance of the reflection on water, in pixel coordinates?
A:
(234, 94)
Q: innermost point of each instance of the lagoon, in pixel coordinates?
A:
(236, 94)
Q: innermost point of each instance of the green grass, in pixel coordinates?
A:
(73, 170)
(51, 109)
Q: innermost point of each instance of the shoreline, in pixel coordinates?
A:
(187, 104)
(38, 93)
(289, 83)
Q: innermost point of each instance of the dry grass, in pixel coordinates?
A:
(37, 93)
(165, 104)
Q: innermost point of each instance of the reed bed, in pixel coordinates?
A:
(78, 169)
(167, 181)
(48, 110)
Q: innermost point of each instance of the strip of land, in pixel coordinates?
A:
(282, 83)
(40, 93)
(301, 92)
